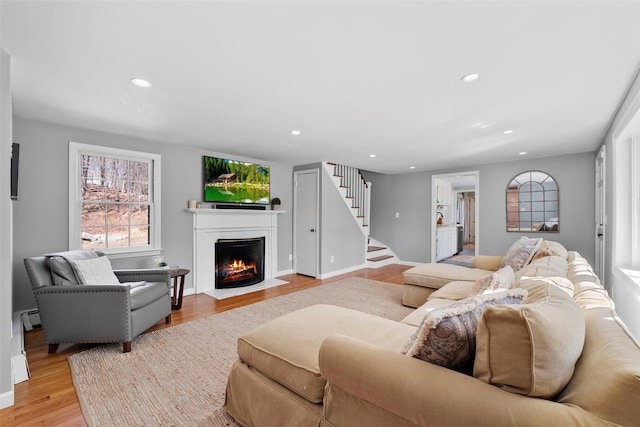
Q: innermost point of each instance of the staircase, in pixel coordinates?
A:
(379, 255)
(356, 193)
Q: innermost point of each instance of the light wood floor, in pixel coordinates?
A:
(48, 397)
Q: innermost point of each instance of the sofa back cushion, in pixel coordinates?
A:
(544, 267)
(532, 348)
(606, 381)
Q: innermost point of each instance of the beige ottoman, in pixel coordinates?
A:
(277, 380)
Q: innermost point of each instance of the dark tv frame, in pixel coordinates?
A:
(15, 166)
(225, 204)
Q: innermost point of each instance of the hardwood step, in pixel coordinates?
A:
(375, 248)
(380, 258)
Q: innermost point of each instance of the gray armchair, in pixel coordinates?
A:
(74, 313)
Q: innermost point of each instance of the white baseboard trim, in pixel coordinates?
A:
(343, 271)
(7, 399)
(283, 273)
(411, 263)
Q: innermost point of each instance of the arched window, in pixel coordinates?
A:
(532, 203)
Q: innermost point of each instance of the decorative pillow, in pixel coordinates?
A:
(501, 279)
(521, 252)
(532, 348)
(97, 271)
(447, 335)
(549, 248)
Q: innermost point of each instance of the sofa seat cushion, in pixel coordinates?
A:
(144, 293)
(436, 275)
(531, 349)
(454, 291)
(286, 349)
(415, 317)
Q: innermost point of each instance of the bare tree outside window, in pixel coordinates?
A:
(115, 202)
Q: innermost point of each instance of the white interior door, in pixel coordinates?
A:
(305, 220)
(601, 218)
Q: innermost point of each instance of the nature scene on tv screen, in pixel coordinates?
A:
(233, 181)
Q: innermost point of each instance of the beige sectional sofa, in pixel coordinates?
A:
(561, 357)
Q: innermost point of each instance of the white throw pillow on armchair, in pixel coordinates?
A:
(96, 271)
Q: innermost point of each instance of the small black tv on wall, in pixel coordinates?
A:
(234, 181)
(15, 163)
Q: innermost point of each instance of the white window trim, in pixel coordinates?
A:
(75, 150)
(635, 203)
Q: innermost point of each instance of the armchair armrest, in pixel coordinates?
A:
(487, 262)
(427, 394)
(148, 275)
(82, 313)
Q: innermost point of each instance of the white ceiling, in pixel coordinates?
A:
(356, 78)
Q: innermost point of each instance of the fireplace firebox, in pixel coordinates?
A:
(239, 262)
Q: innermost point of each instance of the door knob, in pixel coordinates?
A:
(313, 230)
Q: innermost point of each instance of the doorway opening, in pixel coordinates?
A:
(455, 201)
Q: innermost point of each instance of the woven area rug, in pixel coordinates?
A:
(177, 376)
(462, 260)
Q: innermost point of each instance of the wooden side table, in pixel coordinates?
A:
(178, 288)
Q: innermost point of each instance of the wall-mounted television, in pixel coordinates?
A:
(234, 181)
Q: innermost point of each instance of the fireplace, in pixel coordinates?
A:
(239, 262)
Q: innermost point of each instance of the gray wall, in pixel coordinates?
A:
(41, 214)
(409, 194)
(340, 236)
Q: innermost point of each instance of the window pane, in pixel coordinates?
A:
(118, 215)
(118, 237)
(93, 237)
(140, 236)
(93, 214)
(139, 215)
(139, 192)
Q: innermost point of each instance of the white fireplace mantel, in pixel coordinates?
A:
(209, 225)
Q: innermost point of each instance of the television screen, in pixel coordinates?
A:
(233, 181)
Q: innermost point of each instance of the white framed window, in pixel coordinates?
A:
(114, 199)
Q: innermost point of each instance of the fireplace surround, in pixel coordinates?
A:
(212, 225)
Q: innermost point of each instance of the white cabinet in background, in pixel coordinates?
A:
(443, 192)
(446, 242)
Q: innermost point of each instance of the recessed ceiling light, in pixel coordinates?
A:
(140, 82)
(470, 77)
(295, 132)
(412, 167)
(522, 153)
(508, 131)
(372, 155)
